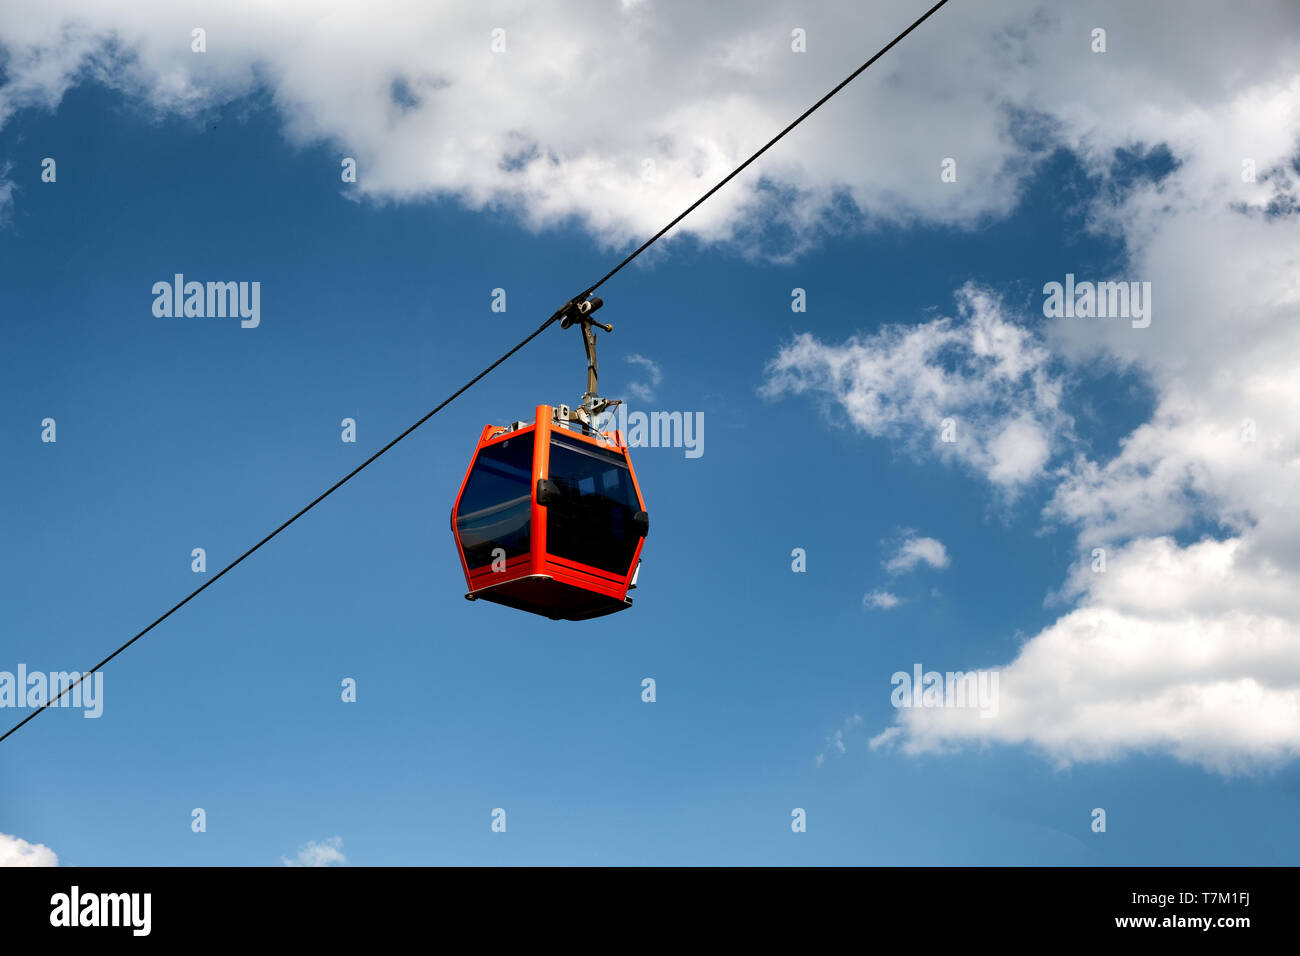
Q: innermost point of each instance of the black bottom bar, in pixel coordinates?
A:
(1223, 907)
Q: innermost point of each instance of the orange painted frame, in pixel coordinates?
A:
(538, 562)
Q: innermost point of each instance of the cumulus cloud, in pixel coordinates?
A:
(917, 550)
(1182, 648)
(645, 391)
(977, 388)
(325, 853)
(15, 851)
(1190, 648)
(1192, 651)
(881, 599)
(619, 115)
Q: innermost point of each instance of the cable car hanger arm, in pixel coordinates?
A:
(579, 313)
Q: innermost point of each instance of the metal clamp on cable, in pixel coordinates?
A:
(579, 313)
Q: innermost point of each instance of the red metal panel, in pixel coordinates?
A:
(518, 566)
(541, 468)
(582, 577)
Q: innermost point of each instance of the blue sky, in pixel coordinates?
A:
(176, 433)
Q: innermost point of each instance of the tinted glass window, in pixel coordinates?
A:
(496, 507)
(592, 521)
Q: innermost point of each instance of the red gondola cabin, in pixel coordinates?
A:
(550, 518)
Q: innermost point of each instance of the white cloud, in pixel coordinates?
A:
(1185, 650)
(1189, 649)
(641, 390)
(881, 599)
(979, 379)
(917, 550)
(6, 192)
(325, 853)
(15, 851)
(558, 126)
(835, 742)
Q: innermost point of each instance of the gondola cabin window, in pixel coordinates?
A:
(496, 506)
(591, 523)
